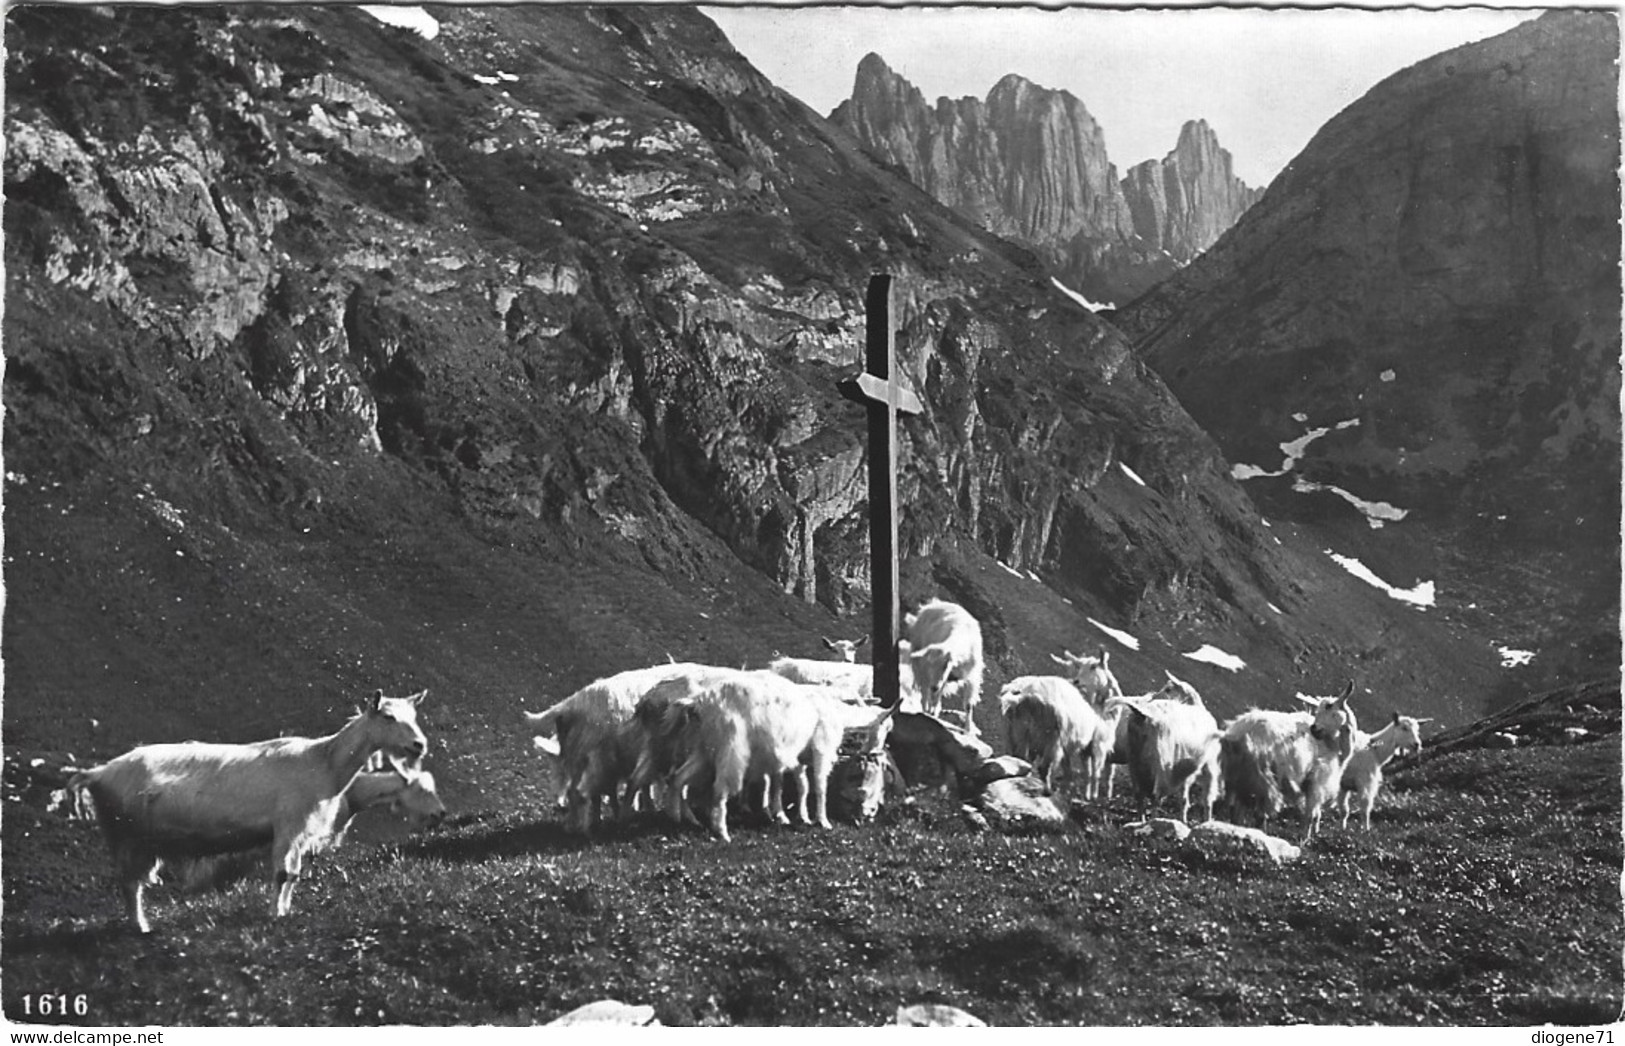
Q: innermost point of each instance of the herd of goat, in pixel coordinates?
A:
(693, 738)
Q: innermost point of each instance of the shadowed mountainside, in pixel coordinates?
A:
(340, 358)
(1430, 293)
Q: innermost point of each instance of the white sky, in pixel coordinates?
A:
(1266, 81)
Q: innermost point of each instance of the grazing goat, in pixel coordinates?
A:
(764, 725)
(946, 655)
(399, 789)
(1363, 774)
(1170, 742)
(599, 740)
(668, 723)
(166, 801)
(846, 649)
(1270, 759)
(1050, 722)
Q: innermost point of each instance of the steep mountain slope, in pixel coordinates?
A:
(341, 358)
(1432, 289)
(1030, 164)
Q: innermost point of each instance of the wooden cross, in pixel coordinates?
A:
(884, 398)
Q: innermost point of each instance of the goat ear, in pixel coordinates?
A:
(1348, 691)
(861, 640)
(419, 696)
(828, 642)
(377, 700)
(1308, 700)
(1105, 655)
(1059, 660)
(1396, 718)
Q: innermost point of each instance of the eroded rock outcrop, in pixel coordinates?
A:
(1184, 202)
(1030, 164)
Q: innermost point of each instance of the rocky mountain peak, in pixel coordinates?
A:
(1031, 163)
(1184, 202)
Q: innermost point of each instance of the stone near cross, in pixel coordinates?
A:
(884, 399)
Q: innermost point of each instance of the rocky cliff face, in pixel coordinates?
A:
(1030, 164)
(1430, 295)
(508, 359)
(1184, 202)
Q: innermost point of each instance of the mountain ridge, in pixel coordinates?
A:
(1031, 164)
(1434, 277)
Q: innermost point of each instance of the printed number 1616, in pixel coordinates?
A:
(45, 1004)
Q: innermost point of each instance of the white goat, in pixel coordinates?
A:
(946, 655)
(1170, 742)
(1093, 677)
(1363, 774)
(856, 682)
(399, 789)
(764, 725)
(599, 741)
(165, 801)
(1049, 723)
(1270, 759)
(846, 649)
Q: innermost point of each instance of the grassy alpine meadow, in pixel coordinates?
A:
(1487, 893)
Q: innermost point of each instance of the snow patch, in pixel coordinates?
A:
(1214, 656)
(416, 19)
(1387, 375)
(1376, 512)
(1511, 658)
(1122, 637)
(1092, 306)
(1130, 473)
(1421, 595)
(1008, 569)
(1275, 608)
(1293, 449)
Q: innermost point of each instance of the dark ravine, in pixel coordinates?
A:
(339, 358)
(1438, 274)
(1030, 164)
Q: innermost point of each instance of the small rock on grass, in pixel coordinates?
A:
(1020, 804)
(1218, 837)
(608, 1011)
(936, 1015)
(1161, 828)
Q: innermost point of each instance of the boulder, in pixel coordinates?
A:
(1219, 838)
(1000, 767)
(1020, 804)
(924, 743)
